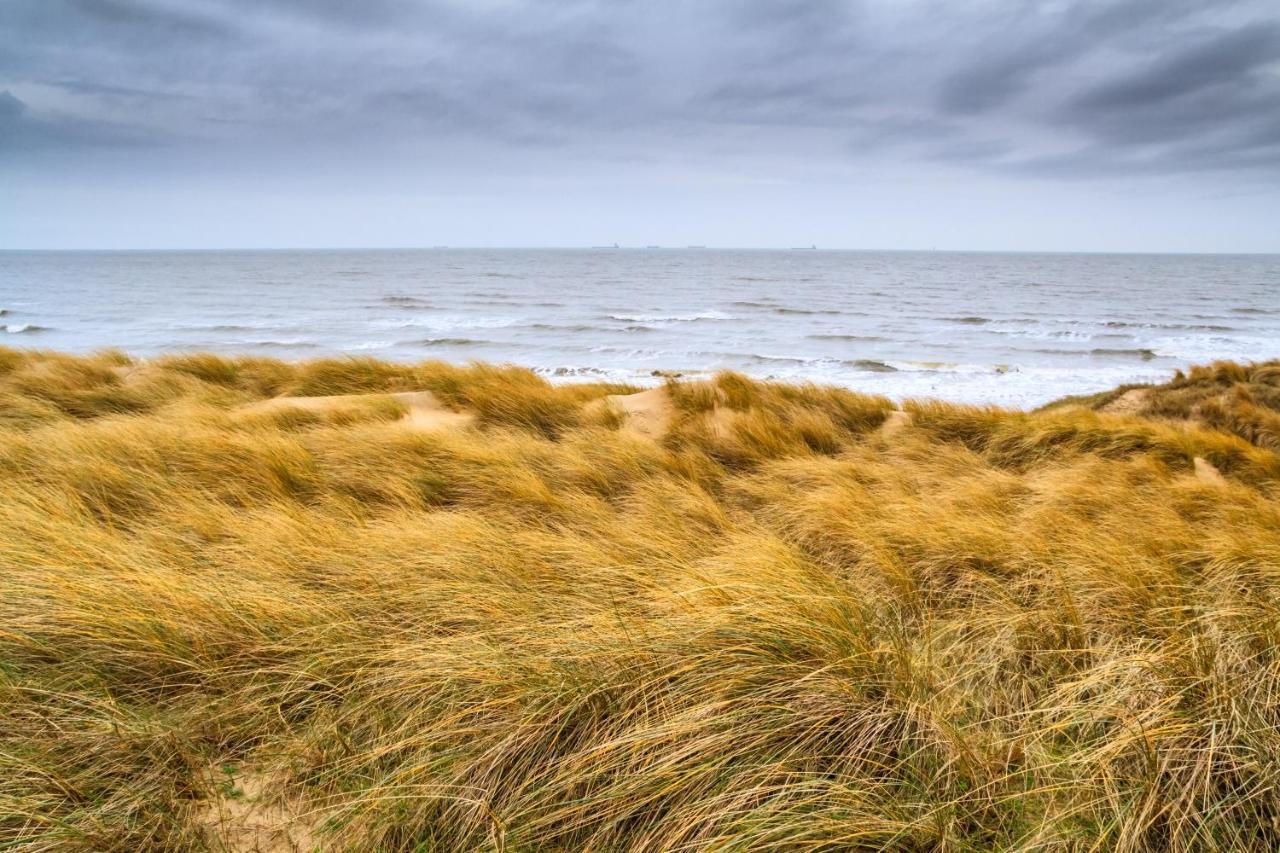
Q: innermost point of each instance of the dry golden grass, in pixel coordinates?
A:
(776, 626)
(1243, 399)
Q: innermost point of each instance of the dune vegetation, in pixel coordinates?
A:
(460, 608)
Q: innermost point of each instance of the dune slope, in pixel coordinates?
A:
(719, 615)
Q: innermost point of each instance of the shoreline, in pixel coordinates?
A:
(426, 392)
(898, 380)
(1009, 330)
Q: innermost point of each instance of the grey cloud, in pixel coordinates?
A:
(991, 82)
(1023, 40)
(10, 106)
(1208, 104)
(1073, 89)
(798, 102)
(125, 22)
(1093, 163)
(23, 131)
(1223, 59)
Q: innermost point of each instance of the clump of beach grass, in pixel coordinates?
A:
(774, 626)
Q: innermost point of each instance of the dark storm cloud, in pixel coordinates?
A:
(1207, 102)
(1021, 40)
(1068, 89)
(1221, 59)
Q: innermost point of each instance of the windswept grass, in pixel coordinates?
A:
(741, 422)
(776, 627)
(1243, 399)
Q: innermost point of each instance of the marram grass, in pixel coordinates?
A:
(777, 627)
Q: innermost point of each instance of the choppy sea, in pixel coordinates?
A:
(1013, 329)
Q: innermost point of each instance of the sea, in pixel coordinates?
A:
(1012, 329)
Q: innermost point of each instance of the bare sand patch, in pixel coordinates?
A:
(1131, 402)
(1207, 472)
(427, 412)
(897, 421)
(648, 413)
(249, 814)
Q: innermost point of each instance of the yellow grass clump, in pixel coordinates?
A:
(766, 621)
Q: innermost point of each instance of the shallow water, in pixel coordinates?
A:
(1013, 329)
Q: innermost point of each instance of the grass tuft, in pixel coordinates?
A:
(775, 627)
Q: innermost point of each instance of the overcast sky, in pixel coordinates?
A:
(1143, 125)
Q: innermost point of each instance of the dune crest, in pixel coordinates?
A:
(778, 628)
(1128, 403)
(648, 413)
(897, 421)
(423, 410)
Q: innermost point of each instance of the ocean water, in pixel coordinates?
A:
(1011, 329)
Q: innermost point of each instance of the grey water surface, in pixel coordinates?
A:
(1013, 329)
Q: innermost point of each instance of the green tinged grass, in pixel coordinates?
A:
(774, 628)
(1242, 399)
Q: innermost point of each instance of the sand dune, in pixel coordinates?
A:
(897, 421)
(246, 606)
(1128, 403)
(648, 413)
(423, 410)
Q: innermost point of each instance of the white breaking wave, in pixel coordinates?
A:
(671, 318)
(1008, 329)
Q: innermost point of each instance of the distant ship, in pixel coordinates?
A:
(804, 248)
(614, 246)
(697, 247)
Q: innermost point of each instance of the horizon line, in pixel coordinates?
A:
(615, 248)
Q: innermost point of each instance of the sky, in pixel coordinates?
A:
(1063, 125)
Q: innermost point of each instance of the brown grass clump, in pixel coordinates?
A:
(773, 626)
(739, 422)
(1243, 399)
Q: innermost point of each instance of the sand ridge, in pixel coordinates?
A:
(897, 421)
(331, 624)
(650, 414)
(1131, 402)
(424, 411)
(647, 413)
